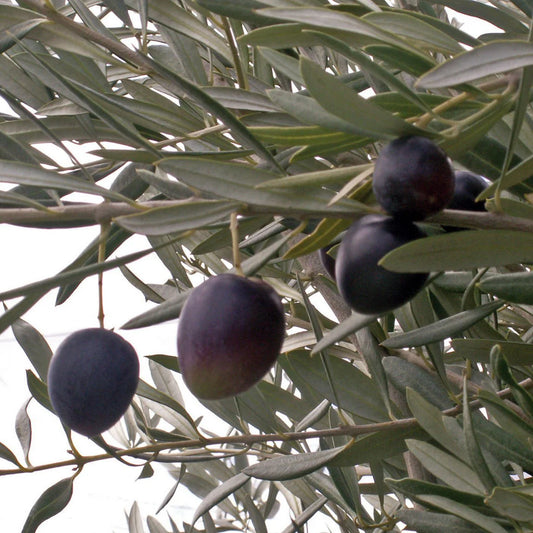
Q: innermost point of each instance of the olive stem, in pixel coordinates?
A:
(104, 232)
(234, 229)
(250, 439)
(241, 78)
(508, 82)
(91, 214)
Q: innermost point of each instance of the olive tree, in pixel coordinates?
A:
(240, 136)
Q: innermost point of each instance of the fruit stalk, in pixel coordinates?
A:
(104, 232)
(234, 229)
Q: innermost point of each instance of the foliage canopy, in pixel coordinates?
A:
(241, 135)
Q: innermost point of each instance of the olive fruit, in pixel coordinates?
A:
(92, 378)
(468, 186)
(230, 333)
(366, 286)
(413, 178)
(328, 262)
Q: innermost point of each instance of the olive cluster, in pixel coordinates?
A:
(230, 333)
(413, 179)
(231, 328)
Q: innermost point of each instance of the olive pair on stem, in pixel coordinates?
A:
(413, 179)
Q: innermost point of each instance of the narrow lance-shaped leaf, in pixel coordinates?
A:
(486, 60)
(502, 444)
(174, 81)
(473, 447)
(506, 417)
(291, 466)
(23, 430)
(34, 345)
(442, 329)
(414, 487)
(167, 310)
(172, 491)
(26, 174)
(304, 517)
(478, 350)
(482, 521)
(414, 28)
(17, 32)
(16, 311)
(329, 18)
(373, 356)
(501, 367)
(38, 390)
(318, 178)
(461, 250)
(404, 374)
(238, 182)
(176, 218)
(516, 287)
(430, 419)
(51, 502)
(313, 416)
(353, 323)
(519, 114)
(218, 494)
(147, 391)
(379, 445)
(135, 522)
(516, 503)
(446, 467)
(345, 103)
(366, 64)
(8, 455)
(428, 521)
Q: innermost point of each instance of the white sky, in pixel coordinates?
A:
(104, 490)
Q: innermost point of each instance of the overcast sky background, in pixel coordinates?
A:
(105, 490)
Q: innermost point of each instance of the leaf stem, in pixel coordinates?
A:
(234, 229)
(241, 78)
(104, 232)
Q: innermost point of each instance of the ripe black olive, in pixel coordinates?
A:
(328, 262)
(230, 333)
(92, 379)
(413, 178)
(366, 286)
(468, 186)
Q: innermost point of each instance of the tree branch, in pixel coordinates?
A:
(89, 214)
(147, 452)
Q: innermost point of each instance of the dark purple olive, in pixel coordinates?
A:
(328, 262)
(230, 333)
(468, 186)
(413, 178)
(366, 286)
(92, 379)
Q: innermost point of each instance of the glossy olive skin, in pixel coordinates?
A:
(367, 287)
(92, 379)
(468, 186)
(230, 333)
(328, 262)
(413, 178)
